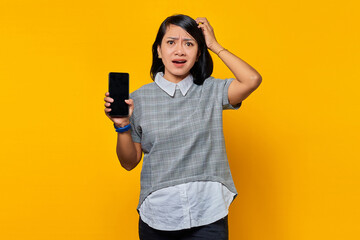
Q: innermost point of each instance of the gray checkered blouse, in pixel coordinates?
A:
(181, 136)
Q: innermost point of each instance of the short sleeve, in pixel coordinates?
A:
(135, 129)
(225, 100)
(136, 136)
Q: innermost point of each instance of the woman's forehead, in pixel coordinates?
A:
(175, 31)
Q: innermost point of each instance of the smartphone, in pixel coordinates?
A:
(119, 91)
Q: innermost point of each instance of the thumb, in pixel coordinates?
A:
(130, 102)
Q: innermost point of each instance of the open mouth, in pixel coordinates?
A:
(179, 62)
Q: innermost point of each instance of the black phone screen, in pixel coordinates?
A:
(119, 91)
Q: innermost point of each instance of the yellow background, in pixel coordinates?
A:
(293, 146)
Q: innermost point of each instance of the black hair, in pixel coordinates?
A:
(203, 68)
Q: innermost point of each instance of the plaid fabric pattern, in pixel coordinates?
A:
(181, 136)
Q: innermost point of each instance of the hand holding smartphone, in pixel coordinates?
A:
(119, 91)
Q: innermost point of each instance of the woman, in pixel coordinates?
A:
(176, 121)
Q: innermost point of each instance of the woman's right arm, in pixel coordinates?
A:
(129, 153)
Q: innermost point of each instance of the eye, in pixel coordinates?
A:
(170, 42)
(189, 44)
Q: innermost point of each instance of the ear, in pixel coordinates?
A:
(159, 51)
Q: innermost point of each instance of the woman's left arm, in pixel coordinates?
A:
(247, 78)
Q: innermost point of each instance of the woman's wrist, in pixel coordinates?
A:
(122, 129)
(216, 48)
(122, 124)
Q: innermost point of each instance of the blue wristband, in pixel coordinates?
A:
(122, 129)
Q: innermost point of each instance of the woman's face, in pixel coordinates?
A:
(179, 52)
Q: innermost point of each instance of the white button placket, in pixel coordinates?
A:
(185, 205)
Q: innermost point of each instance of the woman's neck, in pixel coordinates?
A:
(175, 79)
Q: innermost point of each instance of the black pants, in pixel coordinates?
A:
(218, 230)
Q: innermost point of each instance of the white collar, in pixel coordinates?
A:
(169, 87)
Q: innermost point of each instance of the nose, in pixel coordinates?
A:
(179, 50)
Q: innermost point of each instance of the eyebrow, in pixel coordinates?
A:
(186, 39)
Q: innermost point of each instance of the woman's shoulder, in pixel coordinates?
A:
(143, 90)
(213, 82)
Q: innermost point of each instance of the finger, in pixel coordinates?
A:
(107, 104)
(107, 94)
(201, 26)
(107, 110)
(129, 102)
(108, 99)
(202, 20)
(206, 28)
(207, 25)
